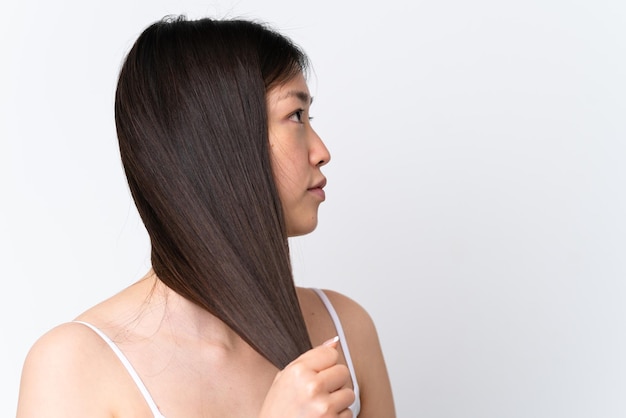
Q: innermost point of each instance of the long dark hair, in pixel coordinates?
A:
(191, 117)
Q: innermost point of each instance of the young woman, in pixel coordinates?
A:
(223, 164)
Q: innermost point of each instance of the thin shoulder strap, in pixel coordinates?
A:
(356, 406)
(129, 368)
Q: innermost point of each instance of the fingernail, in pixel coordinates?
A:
(332, 340)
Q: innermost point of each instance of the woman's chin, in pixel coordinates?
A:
(302, 229)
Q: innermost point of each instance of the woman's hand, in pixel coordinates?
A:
(311, 386)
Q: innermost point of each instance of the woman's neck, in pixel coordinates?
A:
(170, 314)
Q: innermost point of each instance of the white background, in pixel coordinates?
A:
(476, 200)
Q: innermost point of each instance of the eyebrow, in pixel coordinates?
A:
(301, 95)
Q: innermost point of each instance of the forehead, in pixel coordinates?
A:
(294, 89)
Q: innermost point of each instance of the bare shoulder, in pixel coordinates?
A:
(356, 322)
(354, 317)
(61, 373)
(360, 331)
(64, 351)
(367, 356)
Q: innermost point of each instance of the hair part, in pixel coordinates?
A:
(191, 118)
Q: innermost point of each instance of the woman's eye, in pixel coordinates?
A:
(297, 116)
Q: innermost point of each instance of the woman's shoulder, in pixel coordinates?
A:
(71, 370)
(356, 323)
(62, 373)
(353, 317)
(63, 347)
(349, 310)
(363, 342)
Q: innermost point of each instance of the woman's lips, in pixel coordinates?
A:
(318, 189)
(319, 192)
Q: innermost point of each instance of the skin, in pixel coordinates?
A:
(297, 154)
(172, 343)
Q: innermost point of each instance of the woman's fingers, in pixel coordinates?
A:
(335, 377)
(317, 359)
(342, 399)
(311, 386)
(346, 413)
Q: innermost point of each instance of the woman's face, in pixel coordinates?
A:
(297, 154)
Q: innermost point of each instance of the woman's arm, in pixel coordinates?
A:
(369, 363)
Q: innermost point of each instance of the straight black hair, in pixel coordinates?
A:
(191, 118)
